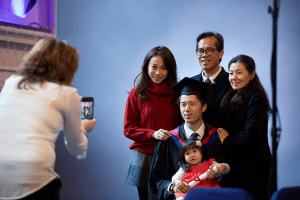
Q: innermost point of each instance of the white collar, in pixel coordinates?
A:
(189, 132)
(212, 78)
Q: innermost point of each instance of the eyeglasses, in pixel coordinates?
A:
(209, 51)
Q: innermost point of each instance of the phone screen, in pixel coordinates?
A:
(87, 104)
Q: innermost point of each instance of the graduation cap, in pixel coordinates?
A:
(188, 86)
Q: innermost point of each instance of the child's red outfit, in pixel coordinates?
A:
(193, 175)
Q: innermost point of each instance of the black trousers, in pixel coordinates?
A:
(49, 192)
(143, 193)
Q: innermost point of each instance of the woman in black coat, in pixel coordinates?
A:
(245, 134)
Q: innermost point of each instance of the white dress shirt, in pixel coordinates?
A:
(212, 78)
(189, 132)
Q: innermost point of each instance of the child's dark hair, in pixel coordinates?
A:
(187, 145)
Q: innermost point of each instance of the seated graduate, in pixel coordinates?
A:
(192, 102)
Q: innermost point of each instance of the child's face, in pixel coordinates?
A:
(193, 157)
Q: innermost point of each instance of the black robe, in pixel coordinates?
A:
(215, 95)
(165, 163)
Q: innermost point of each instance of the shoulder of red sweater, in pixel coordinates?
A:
(133, 91)
(132, 96)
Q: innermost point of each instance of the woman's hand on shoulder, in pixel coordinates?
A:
(161, 134)
(222, 134)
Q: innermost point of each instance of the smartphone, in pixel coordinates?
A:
(87, 104)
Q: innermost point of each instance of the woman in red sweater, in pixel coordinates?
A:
(150, 111)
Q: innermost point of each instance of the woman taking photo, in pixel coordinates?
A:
(245, 138)
(35, 106)
(150, 111)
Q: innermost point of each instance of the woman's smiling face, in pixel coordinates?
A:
(157, 70)
(239, 76)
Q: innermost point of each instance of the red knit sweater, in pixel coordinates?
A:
(142, 119)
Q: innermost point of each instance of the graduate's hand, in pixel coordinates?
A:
(182, 187)
(222, 134)
(221, 167)
(212, 173)
(161, 134)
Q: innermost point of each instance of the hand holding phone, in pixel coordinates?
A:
(87, 104)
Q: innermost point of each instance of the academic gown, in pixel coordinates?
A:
(165, 162)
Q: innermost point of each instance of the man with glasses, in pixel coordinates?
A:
(209, 48)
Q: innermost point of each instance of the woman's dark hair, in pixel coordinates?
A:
(144, 81)
(187, 145)
(237, 99)
(50, 59)
(218, 36)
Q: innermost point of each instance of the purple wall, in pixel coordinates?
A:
(38, 17)
(113, 37)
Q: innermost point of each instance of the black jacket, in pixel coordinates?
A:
(215, 96)
(247, 149)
